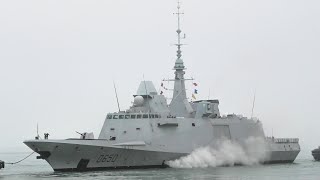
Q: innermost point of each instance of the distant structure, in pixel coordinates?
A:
(1, 164)
(316, 154)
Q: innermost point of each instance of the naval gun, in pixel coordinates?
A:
(86, 135)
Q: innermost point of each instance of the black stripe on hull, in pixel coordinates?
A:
(110, 168)
(147, 167)
(278, 162)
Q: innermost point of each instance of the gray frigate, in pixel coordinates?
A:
(153, 132)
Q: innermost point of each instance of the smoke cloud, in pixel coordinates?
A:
(227, 153)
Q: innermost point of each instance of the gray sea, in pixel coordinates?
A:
(32, 168)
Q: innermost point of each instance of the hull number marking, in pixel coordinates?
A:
(107, 158)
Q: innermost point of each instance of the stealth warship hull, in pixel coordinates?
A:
(162, 143)
(153, 132)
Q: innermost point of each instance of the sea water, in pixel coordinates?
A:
(32, 168)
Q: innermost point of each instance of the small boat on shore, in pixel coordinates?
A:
(1, 164)
(316, 154)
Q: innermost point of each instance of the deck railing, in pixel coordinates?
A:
(283, 140)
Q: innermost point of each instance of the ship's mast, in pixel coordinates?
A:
(179, 105)
(178, 13)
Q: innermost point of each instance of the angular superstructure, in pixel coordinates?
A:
(152, 132)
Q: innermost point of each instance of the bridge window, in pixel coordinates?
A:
(137, 128)
(127, 116)
(151, 115)
(112, 129)
(133, 116)
(145, 116)
(139, 116)
(115, 116)
(109, 116)
(156, 116)
(121, 116)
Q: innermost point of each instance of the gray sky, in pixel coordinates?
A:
(58, 60)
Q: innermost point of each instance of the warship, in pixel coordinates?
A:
(316, 154)
(153, 131)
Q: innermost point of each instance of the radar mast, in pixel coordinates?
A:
(179, 106)
(178, 13)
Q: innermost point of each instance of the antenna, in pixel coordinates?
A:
(37, 137)
(254, 99)
(37, 129)
(115, 90)
(178, 13)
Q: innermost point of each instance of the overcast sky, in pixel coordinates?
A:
(58, 60)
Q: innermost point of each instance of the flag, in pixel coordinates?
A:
(195, 91)
(161, 84)
(194, 97)
(195, 84)
(161, 92)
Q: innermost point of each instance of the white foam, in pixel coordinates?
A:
(251, 152)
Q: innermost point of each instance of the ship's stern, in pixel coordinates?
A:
(283, 150)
